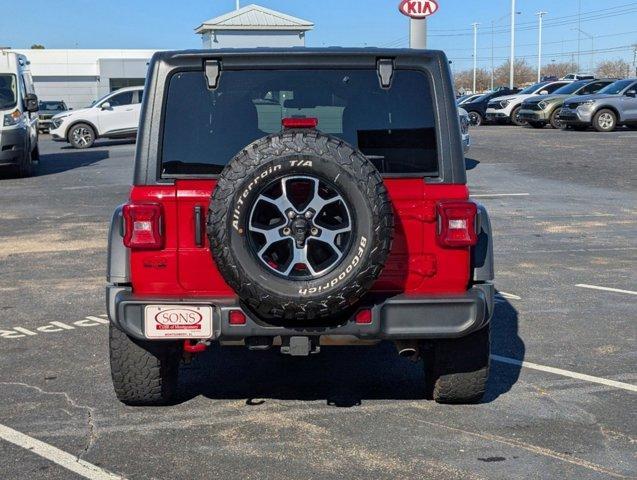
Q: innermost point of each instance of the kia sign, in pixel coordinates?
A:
(418, 8)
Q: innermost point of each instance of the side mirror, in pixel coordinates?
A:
(106, 106)
(31, 102)
(544, 92)
(631, 93)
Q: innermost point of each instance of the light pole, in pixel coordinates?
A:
(539, 46)
(493, 23)
(475, 54)
(635, 58)
(512, 60)
(579, 37)
(591, 65)
(418, 33)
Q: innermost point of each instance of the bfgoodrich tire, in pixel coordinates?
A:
(457, 370)
(143, 373)
(300, 225)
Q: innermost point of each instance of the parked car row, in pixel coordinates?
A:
(603, 104)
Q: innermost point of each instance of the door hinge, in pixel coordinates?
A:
(385, 69)
(213, 72)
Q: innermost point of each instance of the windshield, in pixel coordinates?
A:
(53, 106)
(616, 88)
(570, 88)
(95, 102)
(7, 91)
(204, 128)
(479, 98)
(532, 88)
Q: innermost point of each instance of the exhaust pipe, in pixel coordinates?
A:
(407, 349)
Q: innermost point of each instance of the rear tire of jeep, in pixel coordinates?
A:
(143, 373)
(81, 136)
(457, 370)
(274, 270)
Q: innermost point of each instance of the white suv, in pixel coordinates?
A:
(507, 108)
(115, 115)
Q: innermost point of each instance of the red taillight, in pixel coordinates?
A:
(364, 317)
(293, 122)
(457, 224)
(236, 317)
(142, 226)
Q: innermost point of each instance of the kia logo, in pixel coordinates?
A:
(418, 8)
(182, 316)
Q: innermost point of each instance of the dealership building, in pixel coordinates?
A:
(80, 76)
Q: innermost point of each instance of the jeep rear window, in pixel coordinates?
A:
(203, 129)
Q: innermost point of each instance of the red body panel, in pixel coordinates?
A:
(416, 265)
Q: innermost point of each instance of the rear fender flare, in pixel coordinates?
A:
(482, 253)
(118, 262)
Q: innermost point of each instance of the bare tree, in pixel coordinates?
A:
(524, 73)
(613, 69)
(560, 69)
(463, 80)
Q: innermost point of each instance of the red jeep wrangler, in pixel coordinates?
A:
(298, 198)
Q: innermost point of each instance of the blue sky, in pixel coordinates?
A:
(167, 24)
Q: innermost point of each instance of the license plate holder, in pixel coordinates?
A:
(177, 321)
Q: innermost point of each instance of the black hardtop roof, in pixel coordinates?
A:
(300, 51)
(166, 63)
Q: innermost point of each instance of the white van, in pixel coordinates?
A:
(18, 107)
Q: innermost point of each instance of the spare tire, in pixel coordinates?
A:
(300, 225)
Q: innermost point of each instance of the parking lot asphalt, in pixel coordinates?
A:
(563, 206)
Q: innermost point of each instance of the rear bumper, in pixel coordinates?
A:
(395, 318)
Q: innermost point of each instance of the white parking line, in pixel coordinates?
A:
(55, 455)
(605, 289)
(566, 373)
(509, 296)
(501, 195)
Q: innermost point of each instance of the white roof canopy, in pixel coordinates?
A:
(254, 17)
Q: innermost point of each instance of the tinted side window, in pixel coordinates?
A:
(593, 88)
(125, 98)
(553, 87)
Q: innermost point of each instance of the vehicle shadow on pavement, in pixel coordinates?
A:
(505, 342)
(52, 163)
(105, 143)
(342, 376)
(470, 163)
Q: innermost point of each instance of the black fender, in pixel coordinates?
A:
(482, 253)
(118, 261)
